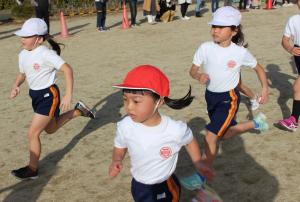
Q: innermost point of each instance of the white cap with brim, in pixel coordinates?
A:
(32, 27)
(226, 16)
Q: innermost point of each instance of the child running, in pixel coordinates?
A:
(153, 140)
(222, 59)
(38, 65)
(292, 34)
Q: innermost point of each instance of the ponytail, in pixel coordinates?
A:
(239, 38)
(54, 45)
(181, 102)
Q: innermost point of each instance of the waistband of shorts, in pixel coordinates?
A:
(45, 89)
(221, 93)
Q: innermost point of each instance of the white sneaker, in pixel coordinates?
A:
(254, 104)
(185, 18)
(290, 4)
(285, 5)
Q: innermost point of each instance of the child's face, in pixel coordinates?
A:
(222, 34)
(140, 108)
(30, 43)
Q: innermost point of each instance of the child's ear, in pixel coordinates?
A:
(161, 101)
(40, 40)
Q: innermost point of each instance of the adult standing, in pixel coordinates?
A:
(184, 4)
(133, 12)
(151, 8)
(42, 10)
(101, 15)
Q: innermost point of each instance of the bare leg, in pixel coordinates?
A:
(238, 129)
(38, 124)
(64, 118)
(211, 139)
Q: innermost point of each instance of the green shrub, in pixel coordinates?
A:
(22, 12)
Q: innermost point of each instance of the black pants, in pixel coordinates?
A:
(42, 11)
(133, 11)
(245, 4)
(183, 8)
(101, 13)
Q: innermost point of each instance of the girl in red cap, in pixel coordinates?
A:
(152, 140)
(38, 65)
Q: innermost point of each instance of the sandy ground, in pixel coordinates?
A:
(74, 162)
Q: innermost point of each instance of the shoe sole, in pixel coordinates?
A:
(88, 109)
(282, 125)
(24, 179)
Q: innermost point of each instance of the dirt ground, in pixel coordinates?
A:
(73, 167)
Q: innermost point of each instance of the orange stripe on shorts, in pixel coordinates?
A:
(173, 188)
(54, 101)
(231, 114)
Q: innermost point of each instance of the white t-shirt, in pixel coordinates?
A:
(39, 66)
(292, 29)
(223, 64)
(153, 150)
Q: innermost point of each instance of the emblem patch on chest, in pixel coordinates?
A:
(231, 64)
(165, 152)
(36, 66)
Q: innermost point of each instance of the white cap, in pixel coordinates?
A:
(226, 16)
(32, 27)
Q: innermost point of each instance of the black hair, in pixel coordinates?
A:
(239, 38)
(172, 103)
(54, 45)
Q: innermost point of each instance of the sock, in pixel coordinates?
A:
(256, 125)
(296, 109)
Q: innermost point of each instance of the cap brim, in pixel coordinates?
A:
(23, 34)
(219, 23)
(125, 86)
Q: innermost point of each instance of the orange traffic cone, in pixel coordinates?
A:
(269, 4)
(125, 23)
(63, 26)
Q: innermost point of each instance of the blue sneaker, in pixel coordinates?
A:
(192, 182)
(260, 122)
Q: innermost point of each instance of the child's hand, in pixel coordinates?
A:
(264, 97)
(203, 78)
(114, 168)
(205, 170)
(295, 51)
(14, 92)
(65, 103)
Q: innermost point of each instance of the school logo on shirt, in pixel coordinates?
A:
(165, 152)
(231, 64)
(36, 66)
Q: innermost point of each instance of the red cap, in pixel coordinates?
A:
(146, 77)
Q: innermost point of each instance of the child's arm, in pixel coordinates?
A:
(193, 150)
(67, 98)
(195, 74)
(116, 164)
(288, 47)
(15, 90)
(261, 74)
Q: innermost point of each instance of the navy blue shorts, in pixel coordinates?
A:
(297, 61)
(166, 191)
(222, 109)
(46, 101)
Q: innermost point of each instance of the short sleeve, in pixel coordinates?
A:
(21, 64)
(288, 29)
(198, 57)
(187, 134)
(52, 59)
(119, 141)
(249, 60)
